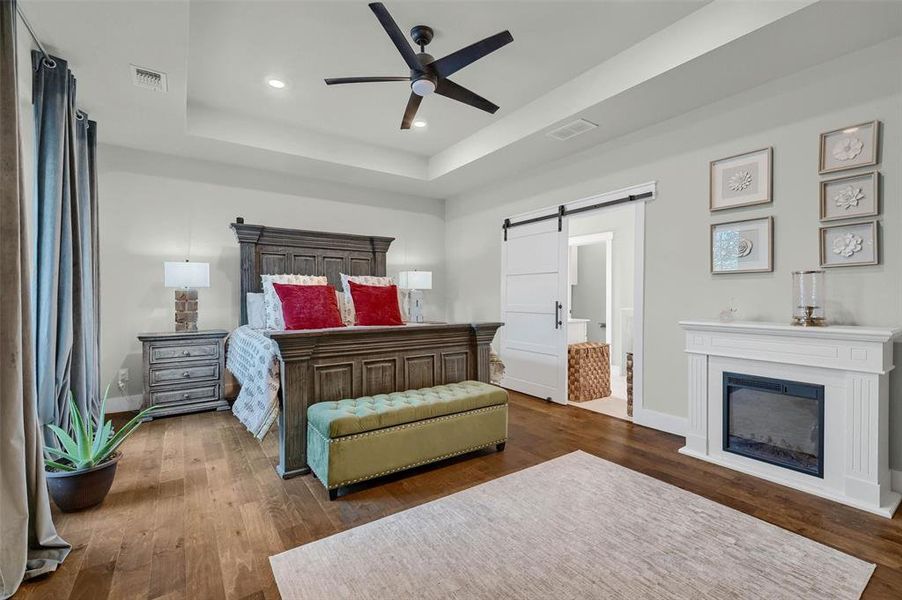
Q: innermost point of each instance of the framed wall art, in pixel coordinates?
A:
(849, 244)
(850, 147)
(741, 180)
(743, 246)
(850, 197)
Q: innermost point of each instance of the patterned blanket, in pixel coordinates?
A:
(253, 359)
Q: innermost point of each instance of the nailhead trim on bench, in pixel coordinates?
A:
(417, 464)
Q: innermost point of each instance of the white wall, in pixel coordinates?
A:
(787, 114)
(155, 208)
(621, 222)
(588, 299)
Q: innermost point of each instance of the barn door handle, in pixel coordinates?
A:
(557, 315)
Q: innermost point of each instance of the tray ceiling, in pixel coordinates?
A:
(235, 46)
(621, 64)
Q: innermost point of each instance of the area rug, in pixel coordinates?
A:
(574, 527)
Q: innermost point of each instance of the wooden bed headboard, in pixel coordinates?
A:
(266, 250)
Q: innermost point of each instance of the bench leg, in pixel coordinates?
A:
(333, 494)
(500, 447)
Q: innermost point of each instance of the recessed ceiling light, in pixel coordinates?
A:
(419, 123)
(276, 83)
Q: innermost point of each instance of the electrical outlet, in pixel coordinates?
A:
(122, 381)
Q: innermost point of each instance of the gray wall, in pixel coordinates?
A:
(588, 299)
(155, 208)
(788, 114)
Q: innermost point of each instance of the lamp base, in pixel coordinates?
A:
(415, 306)
(186, 310)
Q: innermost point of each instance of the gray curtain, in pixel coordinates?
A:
(29, 544)
(66, 301)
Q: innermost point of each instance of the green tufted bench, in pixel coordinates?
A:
(355, 440)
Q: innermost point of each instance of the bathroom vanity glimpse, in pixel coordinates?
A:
(577, 331)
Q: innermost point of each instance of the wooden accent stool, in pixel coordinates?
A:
(588, 371)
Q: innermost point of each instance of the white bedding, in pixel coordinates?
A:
(254, 359)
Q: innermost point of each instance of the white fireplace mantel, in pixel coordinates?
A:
(853, 365)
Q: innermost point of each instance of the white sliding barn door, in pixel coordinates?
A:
(534, 281)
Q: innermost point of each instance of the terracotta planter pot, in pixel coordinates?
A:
(78, 490)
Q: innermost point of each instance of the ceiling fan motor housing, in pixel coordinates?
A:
(423, 82)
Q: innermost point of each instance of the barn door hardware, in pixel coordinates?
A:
(562, 212)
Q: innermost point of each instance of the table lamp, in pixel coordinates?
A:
(415, 282)
(186, 277)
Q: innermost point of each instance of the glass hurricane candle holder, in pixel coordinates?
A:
(808, 298)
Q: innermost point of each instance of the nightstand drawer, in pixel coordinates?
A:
(184, 396)
(174, 353)
(170, 375)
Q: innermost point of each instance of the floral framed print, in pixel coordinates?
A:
(849, 148)
(743, 246)
(741, 180)
(850, 197)
(849, 244)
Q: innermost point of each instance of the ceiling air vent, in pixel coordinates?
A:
(571, 129)
(148, 79)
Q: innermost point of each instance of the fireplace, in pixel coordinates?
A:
(744, 380)
(775, 421)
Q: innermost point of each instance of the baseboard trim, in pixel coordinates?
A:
(896, 481)
(124, 403)
(660, 421)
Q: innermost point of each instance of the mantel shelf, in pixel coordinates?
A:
(831, 332)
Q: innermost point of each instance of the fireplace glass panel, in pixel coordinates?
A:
(776, 421)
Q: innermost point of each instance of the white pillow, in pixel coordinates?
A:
(347, 316)
(255, 314)
(347, 308)
(272, 306)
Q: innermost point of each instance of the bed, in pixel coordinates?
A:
(348, 362)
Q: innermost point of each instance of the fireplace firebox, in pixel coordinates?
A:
(775, 421)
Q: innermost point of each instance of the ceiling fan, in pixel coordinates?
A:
(427, 74)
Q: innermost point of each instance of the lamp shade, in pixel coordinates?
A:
(186, 274)
(415, 280)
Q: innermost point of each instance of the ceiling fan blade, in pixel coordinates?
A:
(337, 80)
(391, 28)
(456, 61)
(449, 89)
(411, 111)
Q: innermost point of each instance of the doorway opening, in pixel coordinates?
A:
(601, 273)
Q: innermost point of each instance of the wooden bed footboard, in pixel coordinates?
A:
(319, 366)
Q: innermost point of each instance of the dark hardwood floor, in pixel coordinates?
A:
(196, 509)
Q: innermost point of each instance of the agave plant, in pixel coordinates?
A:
(94, 442)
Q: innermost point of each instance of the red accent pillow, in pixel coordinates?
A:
(308, 306)
(376, 304)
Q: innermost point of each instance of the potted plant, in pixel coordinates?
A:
(81, 472)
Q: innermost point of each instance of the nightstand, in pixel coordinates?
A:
(183, 371)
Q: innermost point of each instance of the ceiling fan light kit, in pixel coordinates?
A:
(428, 75)
(422, 87)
